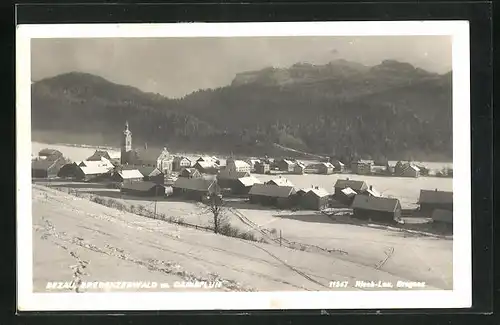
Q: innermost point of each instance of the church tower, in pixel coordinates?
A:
(126, 145)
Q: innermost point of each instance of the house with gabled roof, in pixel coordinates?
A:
(271, 195)
(143, 189)
(190, 173)
(314, 198)
(280, 181)
(205, 167)
(285, 165)
(178, 163)
(127, 175)
(238, 166)
(376, 208)
(357, 186)
(431, 200)
(112, 157)
(194, 188)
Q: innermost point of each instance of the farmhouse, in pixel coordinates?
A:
(103, 162)
(345, 190)
(280, 181)
(357, 186)
(208, 159)
(362, 167)
(144, 189)
(432, 200)
(243, 185)
(262, 168)
(406, 170)
(376, 208)
(46, 168)
(190, 173)
(299, 168)
(178, 163)
(238, 166)
(112, 157)
(90, 171)
(126, 176)
(269, 195)
(152, 174)
(338, 165)
(285, 165)
(322, 168)
(194, 188)
(314, 199)
(206, 167)
(228, 178)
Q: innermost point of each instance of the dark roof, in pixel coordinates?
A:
(429, 196)
(148, 171)
(140, 186)
(355, 185)
(231, 175)
(195, 184)
(271, 190)
(42, 164)
(375, 203)
(190, 171)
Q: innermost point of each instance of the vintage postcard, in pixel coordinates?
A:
(243, 166)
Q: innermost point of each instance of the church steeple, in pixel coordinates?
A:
(126, 145)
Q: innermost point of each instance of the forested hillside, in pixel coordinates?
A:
(392, 110)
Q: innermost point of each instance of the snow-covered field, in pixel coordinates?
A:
(416, 257)
(120, 246)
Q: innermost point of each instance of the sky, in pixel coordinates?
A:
(175, 67)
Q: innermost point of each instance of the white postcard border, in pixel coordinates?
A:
(459, 297)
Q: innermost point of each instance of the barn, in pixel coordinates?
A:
(144, 189)
(314, 198)
(128, 175)
(44, 168)
(205, 167)
(280, 181)
(376, 208)
(270, 195)
(194, 188)
(357, 186)
(229, 178)
(432, 200)
(152, 174)
(244, 184)
(112, 157)
(299, 168)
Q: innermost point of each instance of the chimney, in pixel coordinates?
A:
(436, 190)
(145, 145)
(371, 187)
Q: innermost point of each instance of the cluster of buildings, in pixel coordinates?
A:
(151, 172)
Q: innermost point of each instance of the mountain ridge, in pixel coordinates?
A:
(340, 108)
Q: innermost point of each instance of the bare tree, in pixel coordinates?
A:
(215, 206)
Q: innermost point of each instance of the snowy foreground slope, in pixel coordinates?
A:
(125, 247)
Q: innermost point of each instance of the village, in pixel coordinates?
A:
(323, 208)
(148, 173)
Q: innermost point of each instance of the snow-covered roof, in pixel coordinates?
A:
(249, 181)
(94, 170)
(348, 191)
(281, 181)
(131, 173)
(241, 164)
(373, 192)
(207, 164)
(320, 192)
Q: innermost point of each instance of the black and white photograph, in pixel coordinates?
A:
(235, 166)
